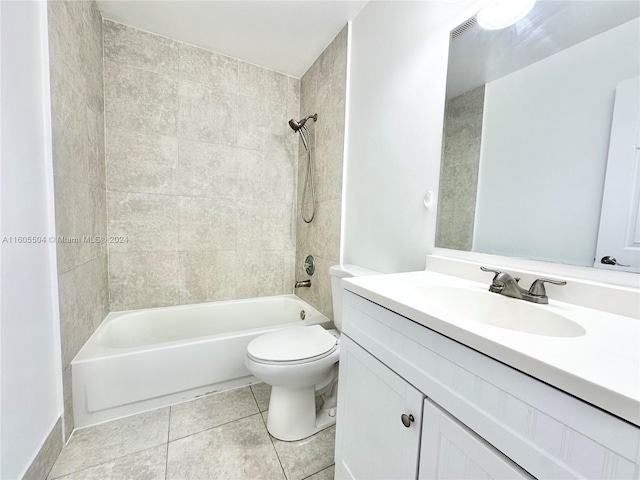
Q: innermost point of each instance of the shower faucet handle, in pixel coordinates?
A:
(309, 265)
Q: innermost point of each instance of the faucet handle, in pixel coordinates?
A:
(496, 286)
(485, 269)
(497, 272)
(537, 287)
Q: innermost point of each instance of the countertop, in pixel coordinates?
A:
(601, 367)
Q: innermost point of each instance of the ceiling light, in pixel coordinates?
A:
(503, 13)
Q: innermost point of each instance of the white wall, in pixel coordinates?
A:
(545, 142)
(396, 97)
(30, 359)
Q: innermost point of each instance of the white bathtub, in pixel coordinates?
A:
(144, 359)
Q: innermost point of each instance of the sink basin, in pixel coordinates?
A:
(500, 311)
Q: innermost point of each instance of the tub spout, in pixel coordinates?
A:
(303, 283)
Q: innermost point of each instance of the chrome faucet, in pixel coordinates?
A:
(303, 283)
(505, 284)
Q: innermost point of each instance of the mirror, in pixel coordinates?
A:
(529, 128)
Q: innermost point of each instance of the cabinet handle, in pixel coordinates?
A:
(406, 419)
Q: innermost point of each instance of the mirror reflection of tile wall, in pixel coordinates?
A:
(459, 170)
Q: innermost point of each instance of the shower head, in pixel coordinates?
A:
(295, 125)
(298, 125)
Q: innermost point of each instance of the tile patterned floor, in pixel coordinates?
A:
(221, 436)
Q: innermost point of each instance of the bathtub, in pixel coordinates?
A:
(144, 359)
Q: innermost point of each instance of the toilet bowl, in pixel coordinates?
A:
(301, 365)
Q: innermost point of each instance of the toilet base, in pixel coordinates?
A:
(292, 414)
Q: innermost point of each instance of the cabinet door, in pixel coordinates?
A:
(451, 451)
(371, 440)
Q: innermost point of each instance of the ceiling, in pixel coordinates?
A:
(286, 36)
(479, 56)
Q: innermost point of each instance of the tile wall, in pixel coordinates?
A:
(201, 173)
(459, 170)
(323, 91)
(77, 99)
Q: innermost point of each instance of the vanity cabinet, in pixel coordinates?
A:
(389, 430)
(449, 450)
(376, 444)
(473, 417)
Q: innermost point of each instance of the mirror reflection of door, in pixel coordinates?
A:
(619, 236)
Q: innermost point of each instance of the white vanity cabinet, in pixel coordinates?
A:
(378, 443)
(375, 442)
(451, 451)
(474, 417)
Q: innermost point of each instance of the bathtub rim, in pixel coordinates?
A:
(92, 350)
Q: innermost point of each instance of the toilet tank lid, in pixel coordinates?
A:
(347, 270)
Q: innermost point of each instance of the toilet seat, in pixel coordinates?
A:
(293, 345)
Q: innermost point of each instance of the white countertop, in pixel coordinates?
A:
(601, 367)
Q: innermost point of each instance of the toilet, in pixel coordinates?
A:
(301, 365)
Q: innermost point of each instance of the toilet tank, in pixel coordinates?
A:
(337, 273)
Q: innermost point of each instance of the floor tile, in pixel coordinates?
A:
(111, 440)
(237, 450)
(262, 392)
(146, 465)
(326, 474)
(308, 456)
(210, 411)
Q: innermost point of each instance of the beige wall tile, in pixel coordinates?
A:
(67, 391)
(149, 222)
(96, 174)
(207, 170)
(276, 86)
(207, 114)
(265, 177)
(66, 25)
(260, 273)
(76, 68)
(229, 168)
(203, 66)
(143, 208)
(140, 100)
(252, 128)
(136, 48)
(265, 226)
(322, 91)
(69, 130)
(289, 266)
(207, 224)
(251, 81)
(82, 306)
(140, 162)
(80, 213)
(91, 55)
(143, 237)
(208, 276)
(293, 97)
(144, 280)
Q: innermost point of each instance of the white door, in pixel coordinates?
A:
(372, 442)
(451, 451)
(619, 235)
